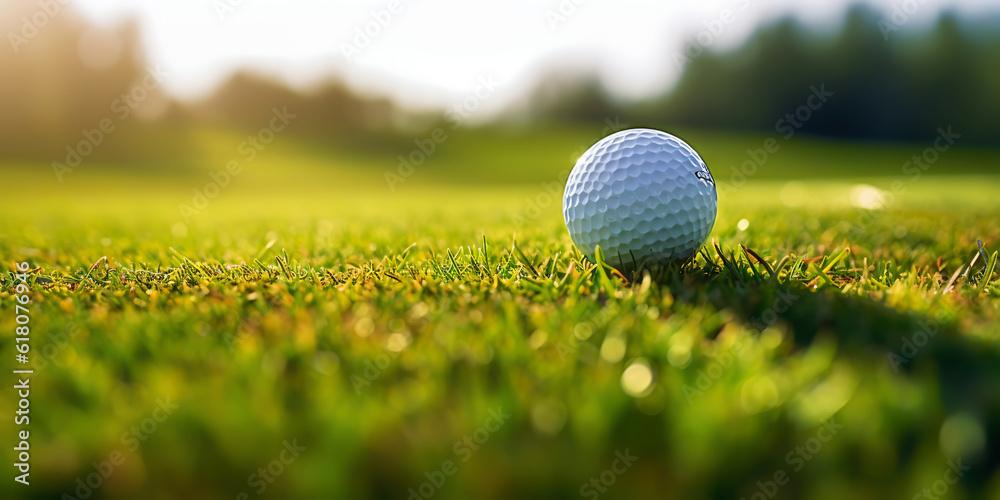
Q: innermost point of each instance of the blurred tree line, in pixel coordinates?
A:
(889, 82)
(70, 90)
(900, 88)
(898, 85)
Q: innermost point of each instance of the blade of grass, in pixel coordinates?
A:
(524, 260)
(87, 276)
(602, 277)
(753, 269)
(951, 282)
(730, 267)
(777, 269)
(836, 258)
(284, 268)
(762, 261)
(988, 273)
(266, 248)
(454, 262)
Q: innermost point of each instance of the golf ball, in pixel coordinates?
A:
(642, 195)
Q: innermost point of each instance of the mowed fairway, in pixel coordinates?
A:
(449, 338)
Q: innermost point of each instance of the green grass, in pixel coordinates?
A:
(378, 329)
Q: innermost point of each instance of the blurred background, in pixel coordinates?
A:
(146, 133)
(518, 90)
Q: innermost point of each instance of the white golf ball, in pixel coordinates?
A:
(642, 195)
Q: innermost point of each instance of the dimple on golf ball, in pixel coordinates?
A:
(643, 196)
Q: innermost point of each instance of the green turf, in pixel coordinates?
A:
(379, 328)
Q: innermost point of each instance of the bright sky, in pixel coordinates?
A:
(433, 52)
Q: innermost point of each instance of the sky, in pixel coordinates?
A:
(430, 53)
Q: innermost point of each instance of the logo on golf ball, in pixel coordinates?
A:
(706, 176)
